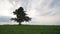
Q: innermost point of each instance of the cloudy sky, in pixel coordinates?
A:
(42, 12)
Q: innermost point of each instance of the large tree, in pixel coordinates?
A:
(20, 15)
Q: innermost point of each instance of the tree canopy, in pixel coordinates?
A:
(20, 15)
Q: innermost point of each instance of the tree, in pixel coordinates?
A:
(20, 16)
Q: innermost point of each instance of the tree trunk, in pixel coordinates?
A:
(19, 23)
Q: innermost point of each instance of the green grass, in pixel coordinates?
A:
(29, 29)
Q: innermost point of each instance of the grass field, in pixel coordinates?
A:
(29, 29)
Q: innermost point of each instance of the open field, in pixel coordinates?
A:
(29, 29)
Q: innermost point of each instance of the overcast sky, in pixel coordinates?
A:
(43, 12)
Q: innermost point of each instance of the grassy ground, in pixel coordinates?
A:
(29, 29)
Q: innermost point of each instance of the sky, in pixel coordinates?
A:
(42, 12)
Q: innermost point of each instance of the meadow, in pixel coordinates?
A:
(29, 29)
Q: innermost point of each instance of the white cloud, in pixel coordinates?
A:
(41, 11)
(4, 8)
(46, 20)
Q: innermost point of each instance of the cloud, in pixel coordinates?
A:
(41, 11)
(48, 8)
(46, 20)
(38, 7)
(5, 19)
(5, 8)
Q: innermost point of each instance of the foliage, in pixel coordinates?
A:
(20, 15)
